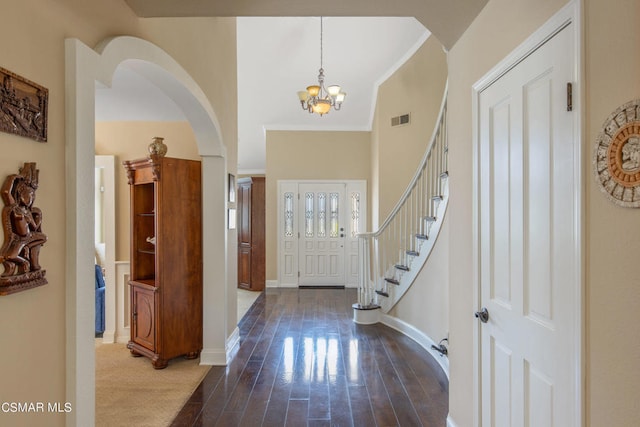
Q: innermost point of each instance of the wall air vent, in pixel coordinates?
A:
(401, 120)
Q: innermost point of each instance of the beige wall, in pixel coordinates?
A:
(206, 48)
(612, 239)
(32, 360)
(309, 155)
(129, 140)
(416, 88)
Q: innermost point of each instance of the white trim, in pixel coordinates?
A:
(213, 357)
(83, 68)
(251, 172)
(450, 422)
(418, 336)
(272, 284)
(107, 163)
(232, 342)
(569, 14)
(288, 285)
(315, 127)
(123, 331)
(366, 317)
(220, 357)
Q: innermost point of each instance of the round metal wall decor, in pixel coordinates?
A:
(617, 156)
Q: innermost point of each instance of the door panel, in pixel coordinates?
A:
(244, 267)
(143, 322)
(528, 235)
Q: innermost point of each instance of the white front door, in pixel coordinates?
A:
(322, 234)
(528, 241)
(307, 252)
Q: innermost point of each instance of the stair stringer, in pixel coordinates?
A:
(425, 247)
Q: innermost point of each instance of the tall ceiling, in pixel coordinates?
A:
(277, 56)
(358, 54)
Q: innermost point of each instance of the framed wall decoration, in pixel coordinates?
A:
(616, 158)
(23, 106)
(232, 189)
(23, 236)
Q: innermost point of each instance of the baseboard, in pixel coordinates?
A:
(232, 341)
(122, 339)
(450, 422)
(287, 285)
(220, 357)
(109, 337)
(271, 284)
(418, 336)
(276, 284)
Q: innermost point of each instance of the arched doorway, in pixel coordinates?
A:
(84, 67)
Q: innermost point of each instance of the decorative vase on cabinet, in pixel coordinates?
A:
(166, 258)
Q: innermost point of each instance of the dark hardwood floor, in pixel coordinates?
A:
(303, 362)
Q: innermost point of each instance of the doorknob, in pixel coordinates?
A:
(483, 315)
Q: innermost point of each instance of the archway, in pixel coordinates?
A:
(85, 67)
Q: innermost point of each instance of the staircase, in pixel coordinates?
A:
(392, 257)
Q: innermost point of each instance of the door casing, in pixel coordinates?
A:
(288, 246)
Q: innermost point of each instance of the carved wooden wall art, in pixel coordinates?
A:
(616, 159)
(23, 236)
(23, 106)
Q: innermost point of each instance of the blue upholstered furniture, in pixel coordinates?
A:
(99, 300)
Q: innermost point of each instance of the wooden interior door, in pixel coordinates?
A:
(528, 217)
(244, 235)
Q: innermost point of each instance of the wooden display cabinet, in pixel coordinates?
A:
(166, 258)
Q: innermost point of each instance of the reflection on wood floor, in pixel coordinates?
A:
(303, 362)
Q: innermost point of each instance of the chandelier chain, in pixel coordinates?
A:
(318, 98)
(321, 42)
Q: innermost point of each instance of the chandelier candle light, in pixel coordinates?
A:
(317, 98)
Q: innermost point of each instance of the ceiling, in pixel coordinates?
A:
(278, 54)
(358, 54)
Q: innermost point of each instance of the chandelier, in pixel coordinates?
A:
(317, 98)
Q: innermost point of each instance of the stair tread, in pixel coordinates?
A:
(413, 253)
(402, 267)
(384, 294)
(422, 237)
(394, 281)
(430, 218)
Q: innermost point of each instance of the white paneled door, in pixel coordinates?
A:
(528, 241)
(321, 215)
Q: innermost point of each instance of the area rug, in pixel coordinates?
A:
(129, 392)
